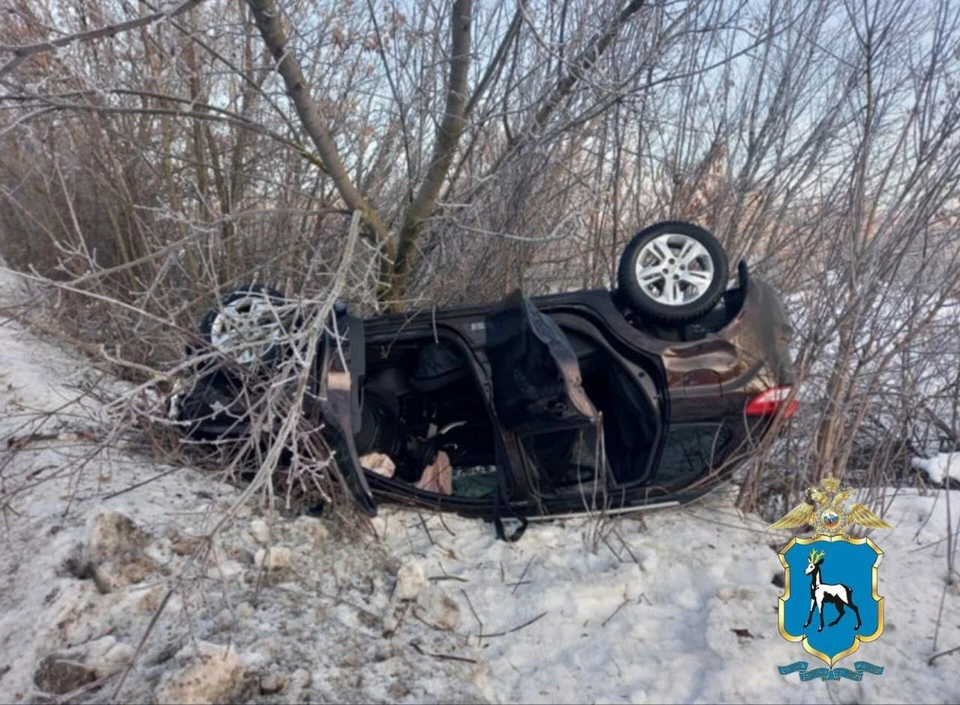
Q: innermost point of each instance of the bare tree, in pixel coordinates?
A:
(154, 155)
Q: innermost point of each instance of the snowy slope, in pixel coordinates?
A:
(308, 626)
(655, 618)
(679, 606)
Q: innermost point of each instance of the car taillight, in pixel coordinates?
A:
(768, 403)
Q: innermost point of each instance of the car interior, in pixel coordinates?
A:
(421, 397)
(630, 421)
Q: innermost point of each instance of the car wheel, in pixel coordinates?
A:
(249, 324)
(673, 272)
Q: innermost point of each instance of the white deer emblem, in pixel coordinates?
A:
(840, 595)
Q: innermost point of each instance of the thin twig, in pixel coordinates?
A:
(403, 615)
(439, 578)
(519, 583)
(626, 546)
(141, 484)
(936, 631)
(516, 629)
(522, 575)
(475, 615)
(622, 605)
(442, 657)
(444, 524)
(143, 641)
(942, 653)
(423, 523)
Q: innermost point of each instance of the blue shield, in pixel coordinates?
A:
(833, 579)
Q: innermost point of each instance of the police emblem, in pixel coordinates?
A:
(830, 602)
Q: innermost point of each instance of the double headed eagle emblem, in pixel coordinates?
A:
(829, 516)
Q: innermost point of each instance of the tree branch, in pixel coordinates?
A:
(578, 69)
(22, 51)
(496, 64)
(198, 110)
(266, 15)
(448, 136)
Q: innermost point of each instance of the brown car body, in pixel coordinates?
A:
(664, 414)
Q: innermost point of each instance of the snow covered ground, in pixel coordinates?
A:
(676, 606)
(941, 467)
(684, 609)
(83, 574)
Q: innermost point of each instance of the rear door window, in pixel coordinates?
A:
(566, 458)
(691, 449)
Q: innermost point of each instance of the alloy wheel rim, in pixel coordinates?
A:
(246, 328)
(674, 269)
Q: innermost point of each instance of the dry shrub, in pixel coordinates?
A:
(146, 172)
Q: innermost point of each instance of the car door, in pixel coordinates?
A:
(336, 384)
(541, 405)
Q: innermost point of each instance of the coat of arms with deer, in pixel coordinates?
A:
(830, 602)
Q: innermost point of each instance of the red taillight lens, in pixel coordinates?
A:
(768, 403)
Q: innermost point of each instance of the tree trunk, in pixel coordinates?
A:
(448, 136)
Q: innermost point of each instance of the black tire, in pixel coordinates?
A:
(644, 303)
(236, 294)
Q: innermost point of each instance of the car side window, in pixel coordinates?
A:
(563, 458)
(690, 449)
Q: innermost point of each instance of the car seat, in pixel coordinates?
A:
(439, 365)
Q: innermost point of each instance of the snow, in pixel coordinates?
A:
(79, 565)
(650, 612)
(668, 606)
(940, 466)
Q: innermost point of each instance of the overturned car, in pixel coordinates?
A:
(534, 407)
